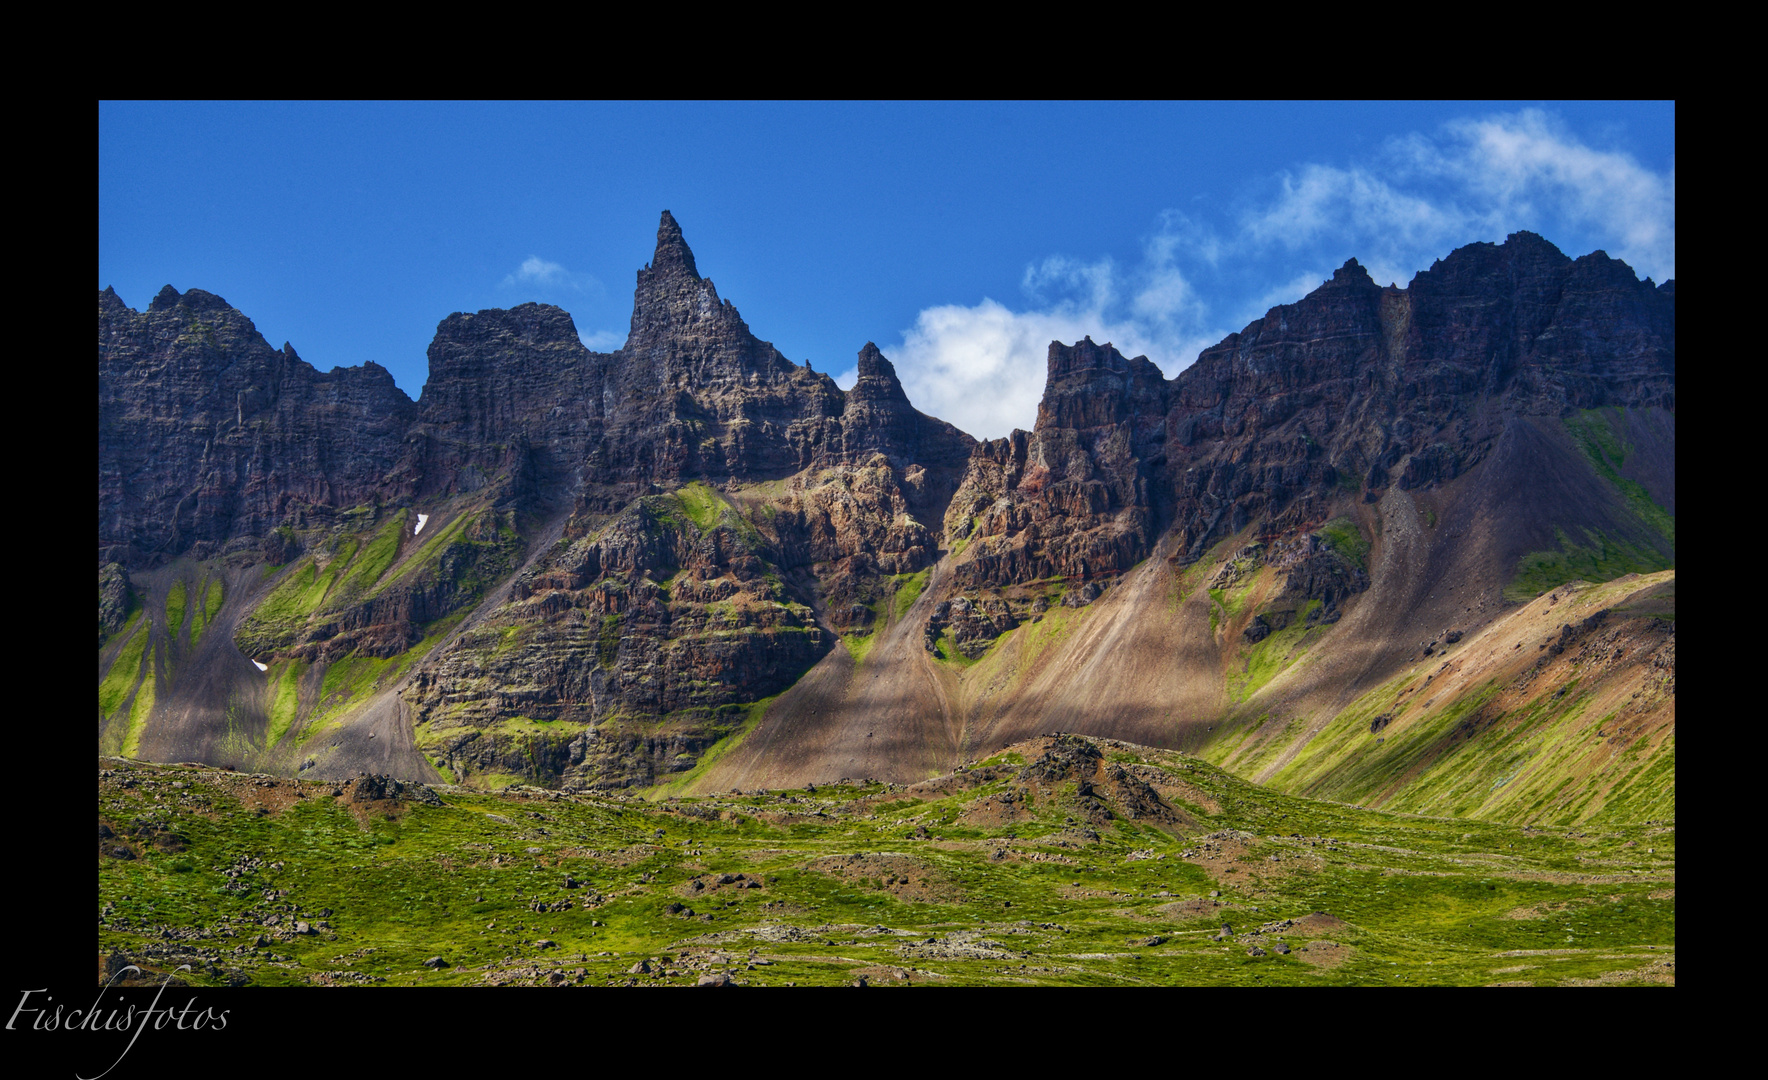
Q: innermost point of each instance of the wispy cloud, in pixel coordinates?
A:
(1475, 179)
(547, 278)
(602, 340)
(537, 271)
(550, 282)
(1528, 167)
(1413, 201)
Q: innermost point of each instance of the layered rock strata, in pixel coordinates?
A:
(627, 551)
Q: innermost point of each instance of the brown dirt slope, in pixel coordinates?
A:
(1146, 662)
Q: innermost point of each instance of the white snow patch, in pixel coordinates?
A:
(421, 518)
(262, 667)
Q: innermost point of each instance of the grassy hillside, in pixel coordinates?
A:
(1059, 861)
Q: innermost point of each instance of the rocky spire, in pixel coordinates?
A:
(674, 304)
(1090, 385)
(877, 378)
(672, 256)
(1351, 273)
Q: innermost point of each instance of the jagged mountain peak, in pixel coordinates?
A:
(674, 307)
(685, 525)
(673, 255)
(195, 300)
(1351, 274)
(877, 377)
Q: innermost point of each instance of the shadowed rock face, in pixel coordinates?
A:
(644, 543)
(510, 394)
(207, 435)
(1354, 386)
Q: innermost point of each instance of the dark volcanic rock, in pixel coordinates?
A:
(115, 600)
(368, 788)
(651, 540)
(206, 433)
(1072, 498)
(1354, 385)
(697, 394)
(510, 394)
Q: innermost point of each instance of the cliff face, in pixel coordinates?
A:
(1353, 388)
(525, 451)
(588, 568)
(208, 437)
(511, 394)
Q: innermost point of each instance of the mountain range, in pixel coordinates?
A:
(1411, 548)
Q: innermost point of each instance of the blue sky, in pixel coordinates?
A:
(960, 237)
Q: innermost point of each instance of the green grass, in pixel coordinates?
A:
(125, 670)
(908, 589)
(859, 646)
(946, 648)
(284, 699)
(1232, 599)
(1345, 537)
(358, 571)
(752, 717)
(1601, 558)
(207, 610)
(175, 607)
(140, 711)
(1594, 432)
(700, 504)
(1270, 657)
(366, 570)
(298, 596)
(347, 683)
(426, 558)
(1422, 900)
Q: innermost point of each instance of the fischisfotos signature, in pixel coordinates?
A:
(116, 1016)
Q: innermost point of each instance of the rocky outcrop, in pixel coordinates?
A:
(1355, 386)
(1072, 498)
(655, 618)
(115, 600)
(206, 434)
(513, 397)
(695, 393)
(681, 523)
(973, 625)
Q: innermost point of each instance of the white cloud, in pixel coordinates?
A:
(1530, 168)
(1476, 179)
(602, 340)
(536, 271)
(547, 278)
(1420, 197)
(982, 367)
